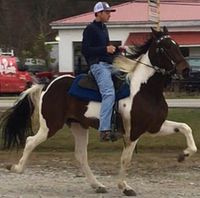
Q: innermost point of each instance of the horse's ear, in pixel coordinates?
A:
(154, 32)
(165, 30)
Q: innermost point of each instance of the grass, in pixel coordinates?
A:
(182, 95)
(63, 140)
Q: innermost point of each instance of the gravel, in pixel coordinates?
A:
(57, 175)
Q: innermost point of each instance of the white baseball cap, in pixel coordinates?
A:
(101, 6)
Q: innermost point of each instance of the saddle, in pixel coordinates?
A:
(85, 87)
(88, 81)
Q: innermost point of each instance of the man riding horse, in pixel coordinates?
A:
(98, 52)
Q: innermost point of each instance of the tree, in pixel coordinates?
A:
(21, 22)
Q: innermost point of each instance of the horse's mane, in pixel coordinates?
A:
(138, 50)
(128, 63)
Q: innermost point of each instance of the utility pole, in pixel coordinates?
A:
(154, 12)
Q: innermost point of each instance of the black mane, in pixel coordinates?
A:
(138, 50)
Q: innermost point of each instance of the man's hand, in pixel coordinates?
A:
(111, 49)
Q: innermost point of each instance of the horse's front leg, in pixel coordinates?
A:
(125, 164)
(81, 142)
(170, 127)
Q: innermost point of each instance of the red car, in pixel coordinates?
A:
(13, 77)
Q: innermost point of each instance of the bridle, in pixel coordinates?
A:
(160, 50)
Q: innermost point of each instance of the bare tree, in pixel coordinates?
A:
(23, 22)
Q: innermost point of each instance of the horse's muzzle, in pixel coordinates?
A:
(183, 69)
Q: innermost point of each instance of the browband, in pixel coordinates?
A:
(162, 38)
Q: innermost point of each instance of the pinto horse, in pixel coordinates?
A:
(144, 110)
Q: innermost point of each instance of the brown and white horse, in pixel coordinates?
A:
(144, 110)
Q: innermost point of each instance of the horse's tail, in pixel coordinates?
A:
(16, 122)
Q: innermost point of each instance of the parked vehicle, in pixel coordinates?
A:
(192, 83)
(38, 69)
(194, 63)
(13, 77)
(35, 65)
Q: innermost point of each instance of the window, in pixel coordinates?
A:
(80, 65)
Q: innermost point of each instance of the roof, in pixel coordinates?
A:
(182, 38)
(134, 12)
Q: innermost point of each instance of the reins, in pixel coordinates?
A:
(156, 68)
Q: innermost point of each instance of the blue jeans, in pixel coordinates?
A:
(102, 73)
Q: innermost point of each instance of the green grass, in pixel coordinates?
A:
(63, 140)
(176, 141)
(182, 95)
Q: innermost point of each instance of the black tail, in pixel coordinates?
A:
(15, 123)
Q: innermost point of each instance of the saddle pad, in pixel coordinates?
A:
(92, 95)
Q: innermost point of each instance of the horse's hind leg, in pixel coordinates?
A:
(31, 143)
(170, 127)
(81, 142)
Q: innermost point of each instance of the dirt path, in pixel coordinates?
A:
(57, 175)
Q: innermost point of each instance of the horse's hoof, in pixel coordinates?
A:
(8, 167)
(101, 190)
(182, 156)
(129, 192)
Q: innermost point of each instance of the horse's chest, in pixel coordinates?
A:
(149, 104)
(147, 114)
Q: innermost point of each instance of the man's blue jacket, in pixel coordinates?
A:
(95, 40)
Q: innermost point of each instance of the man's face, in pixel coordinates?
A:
(104, 16)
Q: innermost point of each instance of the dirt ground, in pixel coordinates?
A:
(57, 175)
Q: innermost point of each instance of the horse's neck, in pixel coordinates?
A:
(144, 75)
(141, 74)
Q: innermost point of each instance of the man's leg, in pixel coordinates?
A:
(102, 74)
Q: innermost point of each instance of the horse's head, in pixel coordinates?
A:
(165, 54)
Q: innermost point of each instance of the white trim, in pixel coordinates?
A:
(51, 42)
(192, 45)
(130, 24)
